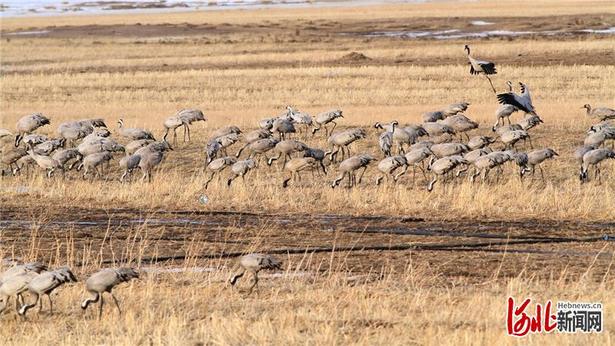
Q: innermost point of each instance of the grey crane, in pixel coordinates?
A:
(522, 101)
(284, 127)
(521, 159)
(598, 134)
(261, 147)
(151, 156)
(481, 66)
(18, 269)
(455, 108)
(297, 165)
(188, 116)
(46, 283)
(594, 158)
(74, 130)
(385, 140)
(99, 145)
(341, 141)
(227, 130)
(432, 117)
(323, 119)
(14, 285)
(217, 166)
(240, 169)
(24, 162)
(285, 148)
(536, 157)
(601, 113)
(437, 129)
(443, 166)
(473, 155)
(478, 142)
(595, 139)
(389, 165)
(10, 156)
(530, 121)
(253, 263)
(212, 148)
(511, 138)
(96, 134)
(34, 139)
(133, 146)
(504, 111)
(299, 118)
(45, 162)
(173, 123)
(266, 124)
(29, 124)
(91, 162)
(461, 124)
(579, 152)
(104, 281)
(129, 163)
(416, 158)
(318, 155)
(601, 126)
(448, 149)
(350, 166)
(133, 133)
(47, 147)
(252, 137)
(226, 141)
(505, 128)
(483, 164)
(402, 136)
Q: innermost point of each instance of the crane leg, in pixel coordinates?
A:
(100, 308)
(254, 282)
(50, 304)
(492, 87)
(432, 183)
(361, 175)
(542, 174)
(117, 304)
(209, 180)
(333, 128)
(401, 173)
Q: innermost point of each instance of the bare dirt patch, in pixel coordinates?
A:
(367, 243)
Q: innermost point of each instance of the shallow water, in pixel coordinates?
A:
(453, 34)
(21, 8)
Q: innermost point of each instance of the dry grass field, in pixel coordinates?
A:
(369, 265)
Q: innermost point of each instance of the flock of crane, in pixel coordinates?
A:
(35, 279)
(435, 146)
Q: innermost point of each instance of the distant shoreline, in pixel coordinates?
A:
(51, 8)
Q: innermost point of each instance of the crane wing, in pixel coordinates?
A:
(488, 67)
(512, 99)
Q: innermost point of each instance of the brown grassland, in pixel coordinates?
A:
(375, 278)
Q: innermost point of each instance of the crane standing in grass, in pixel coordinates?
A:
(253, 263)
(46, 283)
(104, 281)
